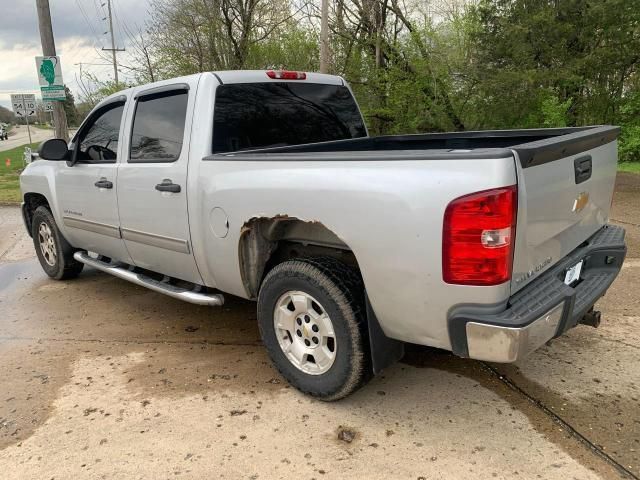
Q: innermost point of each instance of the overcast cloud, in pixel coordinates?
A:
(78, 28)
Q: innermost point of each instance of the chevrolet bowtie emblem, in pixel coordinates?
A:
(581, 201)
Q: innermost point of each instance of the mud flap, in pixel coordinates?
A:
(385, 351)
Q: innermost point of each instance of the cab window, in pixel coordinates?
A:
(158, 127)
(98, 140)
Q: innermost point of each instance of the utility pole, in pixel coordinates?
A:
(49, 50)
(324, 37)
(113, 48)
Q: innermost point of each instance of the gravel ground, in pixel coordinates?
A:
(104, 379)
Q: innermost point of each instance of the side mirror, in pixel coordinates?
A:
(54, 149)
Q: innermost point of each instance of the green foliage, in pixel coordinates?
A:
(477, 65)
(565, 63)
(290, 48)
(554, 112)
(629, 147)
(69, 105)
(630, 167)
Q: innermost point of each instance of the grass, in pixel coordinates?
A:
(9, 181)
(632, 167)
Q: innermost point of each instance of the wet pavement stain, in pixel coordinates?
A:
(484, 375)
(610, 422)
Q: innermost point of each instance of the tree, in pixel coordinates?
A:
(69, 105)
(6, 115)
(419, 66)
(191, 36)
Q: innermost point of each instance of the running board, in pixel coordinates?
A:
(213, 299)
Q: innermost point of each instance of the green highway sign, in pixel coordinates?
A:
(50, 78)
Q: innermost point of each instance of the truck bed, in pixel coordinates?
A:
(533, 146)
(576, 165)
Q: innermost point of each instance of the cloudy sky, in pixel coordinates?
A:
(79, 31)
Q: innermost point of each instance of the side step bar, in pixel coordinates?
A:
(213, 299)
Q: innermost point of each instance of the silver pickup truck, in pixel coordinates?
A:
(266, 185)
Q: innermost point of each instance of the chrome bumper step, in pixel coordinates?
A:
(199, 298)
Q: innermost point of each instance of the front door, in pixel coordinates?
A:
(86, 191)
(152, 183)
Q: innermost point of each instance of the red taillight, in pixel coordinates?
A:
(286, 75)
(478, 237)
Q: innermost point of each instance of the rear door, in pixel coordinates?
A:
(152, 182)
(565, 188)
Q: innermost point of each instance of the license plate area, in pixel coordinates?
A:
(572, 275)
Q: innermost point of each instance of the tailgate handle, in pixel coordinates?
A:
(582, 168)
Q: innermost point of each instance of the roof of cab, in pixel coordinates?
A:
(232, 76)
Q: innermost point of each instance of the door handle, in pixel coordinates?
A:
(168, 186)
(104, 183)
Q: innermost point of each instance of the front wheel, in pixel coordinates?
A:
(312, 320)
(53, 251)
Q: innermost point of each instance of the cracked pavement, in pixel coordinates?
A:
(104, 379)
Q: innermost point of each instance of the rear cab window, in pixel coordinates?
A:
(274, 114)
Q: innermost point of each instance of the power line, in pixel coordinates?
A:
(88, 22)
(102, 14)
(121, 23)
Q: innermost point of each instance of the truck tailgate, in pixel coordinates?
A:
(565, 188)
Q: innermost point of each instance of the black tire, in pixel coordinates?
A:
(63, 266)
(340, 291)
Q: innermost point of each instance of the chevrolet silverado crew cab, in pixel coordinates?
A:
(266, 185)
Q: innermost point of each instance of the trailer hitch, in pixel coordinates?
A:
(591, 318)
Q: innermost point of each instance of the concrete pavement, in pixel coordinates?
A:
(104, 379)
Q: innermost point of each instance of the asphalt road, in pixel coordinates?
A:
(104, 379)
(19, 136)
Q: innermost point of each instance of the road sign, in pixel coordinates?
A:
(17, 104)
(48, 106)
(50, 78)
(29, 100)
(23, 104)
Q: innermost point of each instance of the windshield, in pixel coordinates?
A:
(258, 115)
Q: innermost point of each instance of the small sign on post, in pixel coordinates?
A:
(28, 156)
(24, 106)
(50, 78)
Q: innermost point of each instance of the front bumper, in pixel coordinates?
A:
(544, 309)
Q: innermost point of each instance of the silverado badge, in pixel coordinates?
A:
(581, 201)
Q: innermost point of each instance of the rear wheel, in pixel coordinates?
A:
(312, 320)
(53, 251)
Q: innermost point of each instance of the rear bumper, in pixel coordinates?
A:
(542, 310)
